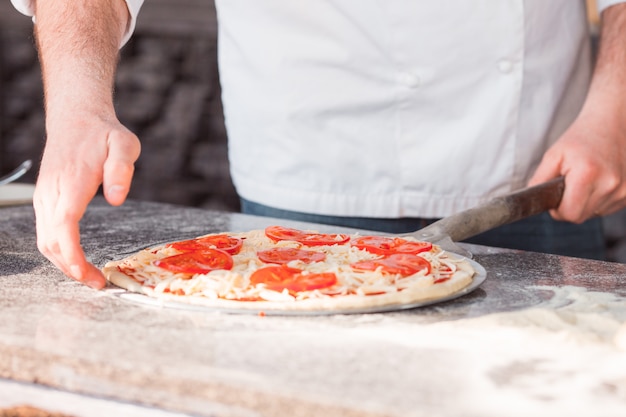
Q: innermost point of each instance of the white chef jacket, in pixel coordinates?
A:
(395, 108)
(27, 7)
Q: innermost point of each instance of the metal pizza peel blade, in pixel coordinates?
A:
(496, 212)
(445, 232)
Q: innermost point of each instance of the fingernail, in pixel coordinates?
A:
(95, 284)
(116, 190)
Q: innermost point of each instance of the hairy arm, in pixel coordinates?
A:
(86, 146)
(78, 44)
(592, 152)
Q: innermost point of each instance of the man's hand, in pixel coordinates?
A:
(591, 154)
(86, 145)
(592, 157)
(90, 152)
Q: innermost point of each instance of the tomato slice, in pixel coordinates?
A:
(398, 263)
(381, 245)
(277, 233)
(228, 244)
(196, 262)
(278, 278)
(286, 255)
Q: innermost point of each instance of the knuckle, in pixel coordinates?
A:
(127, 143)
(612, 183)
(588, 169)
(68, 216)
(48, 247)
(119, 169)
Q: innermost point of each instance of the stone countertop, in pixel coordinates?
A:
(540, 336)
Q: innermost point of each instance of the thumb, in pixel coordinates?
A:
(549, 168)
(123, 151)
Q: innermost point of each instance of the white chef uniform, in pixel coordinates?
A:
(394, 108)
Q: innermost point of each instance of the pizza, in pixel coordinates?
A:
(286, 269)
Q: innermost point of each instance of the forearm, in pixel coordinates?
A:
(78, 45)
(607, 93)
(591, 152)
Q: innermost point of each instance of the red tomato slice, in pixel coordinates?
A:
(196, 262)
(399, 263)
(226, 243)
(286, 255)
(322, 239)
(410, 247)
(381, 245)
(277, 233)
(278, 278)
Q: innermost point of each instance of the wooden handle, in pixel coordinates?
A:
(497, 212)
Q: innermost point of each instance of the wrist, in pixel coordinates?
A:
(77, 115)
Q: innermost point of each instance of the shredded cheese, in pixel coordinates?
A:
(235, 284)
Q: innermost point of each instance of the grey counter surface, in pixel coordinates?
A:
(540, 336)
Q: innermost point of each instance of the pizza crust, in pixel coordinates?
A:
(424, 290)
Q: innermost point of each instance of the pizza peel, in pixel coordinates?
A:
(445, 232)
(496, 212)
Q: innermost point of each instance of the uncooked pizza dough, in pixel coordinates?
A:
(282, 269)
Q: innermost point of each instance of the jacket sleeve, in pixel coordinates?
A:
(27, 7)
(603, 4)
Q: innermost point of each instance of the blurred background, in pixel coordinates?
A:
(168, 93)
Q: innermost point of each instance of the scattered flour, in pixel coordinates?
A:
(579, 315)
(564, 357)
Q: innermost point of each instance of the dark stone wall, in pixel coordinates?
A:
(167, 92)
(21, 104)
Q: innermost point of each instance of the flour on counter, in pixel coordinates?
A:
(573, 315)
(585, 316)
(566, 356)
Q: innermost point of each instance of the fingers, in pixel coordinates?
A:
(613, 192)
(579, 198)
(591, 190)
(549, 168)
(595, 181)
(123, 151)
(58, 236)
(586, 191)
(71, 171)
